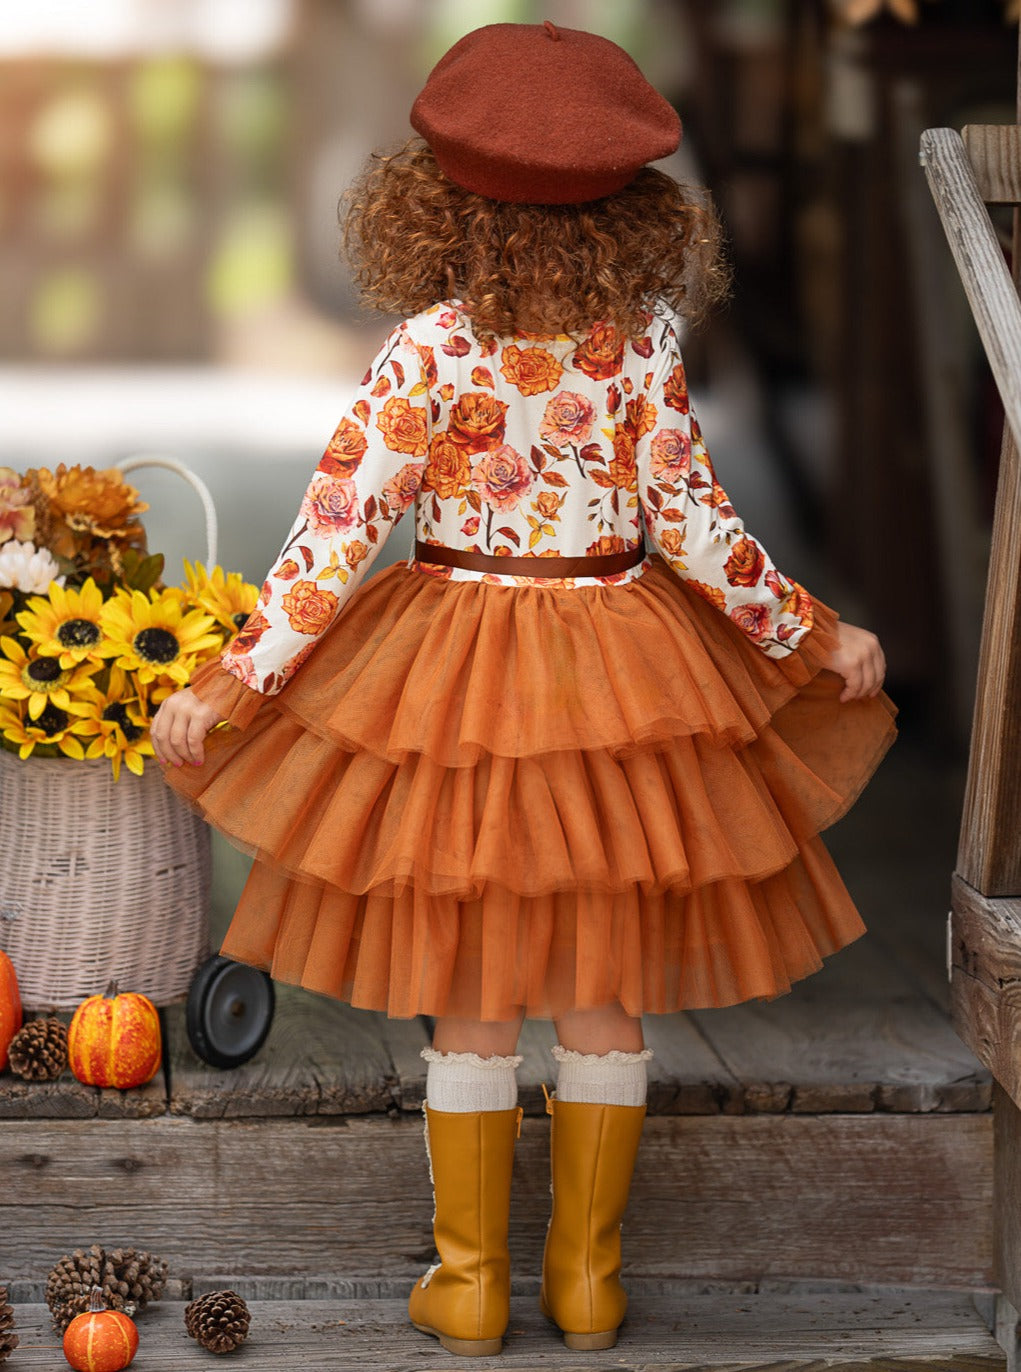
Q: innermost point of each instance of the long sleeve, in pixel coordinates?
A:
(693, 524)
(365, 480)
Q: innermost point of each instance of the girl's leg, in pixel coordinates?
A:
(597, 1113)
(600, 1031)
(498, 1038)
(472, 1121)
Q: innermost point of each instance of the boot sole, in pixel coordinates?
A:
(582, 1343)
(466, 1348)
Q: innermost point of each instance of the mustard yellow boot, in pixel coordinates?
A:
(593, 1150)
(465, 1299)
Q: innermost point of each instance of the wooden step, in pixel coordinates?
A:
(875, 1330)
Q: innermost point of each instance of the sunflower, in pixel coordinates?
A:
(65, 623)
(55, 729)
(118, 723)
(153, 636)
(40, 680)
(225, 595)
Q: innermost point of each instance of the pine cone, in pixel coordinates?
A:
(38, 1052)
(128, 1278)
(8, 1338)
(218, 1320)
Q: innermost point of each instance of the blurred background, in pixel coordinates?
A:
(170, 279)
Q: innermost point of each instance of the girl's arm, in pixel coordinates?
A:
(694, 526)
(365, 480)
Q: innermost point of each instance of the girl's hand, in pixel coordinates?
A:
(181, 723)
(859, 660)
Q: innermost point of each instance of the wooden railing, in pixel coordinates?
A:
(989, 853)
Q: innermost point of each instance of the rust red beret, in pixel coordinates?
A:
(539, 114)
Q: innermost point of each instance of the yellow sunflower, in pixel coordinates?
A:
(153, 636)
(40, 680)
(118, 723)
(65, 623)
(225, 595)
(54, 730)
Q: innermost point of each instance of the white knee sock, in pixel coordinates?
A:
(462, 1083)
(607, 1079)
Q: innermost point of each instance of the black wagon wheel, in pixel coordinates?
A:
(229, 1011)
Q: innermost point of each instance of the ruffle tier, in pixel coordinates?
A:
(474, 798)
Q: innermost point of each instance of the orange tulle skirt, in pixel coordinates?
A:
(475, 798)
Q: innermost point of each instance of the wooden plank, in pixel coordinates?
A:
(882, 1198)
(994, 151)
(538, 1067)
(686, 1074)
(404, 1040)
(989, 857)
(68, 1098)
(321, 1058)
(986, 987)
(895, 1330)
(857, 1036)
(1007, 1207)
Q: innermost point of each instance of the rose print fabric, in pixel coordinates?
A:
(488, 793)
(535, 447)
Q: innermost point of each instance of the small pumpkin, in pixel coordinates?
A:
(114, 1039)
(100, 1340)
(10, 1006)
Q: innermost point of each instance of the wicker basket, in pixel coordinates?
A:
(102, 880)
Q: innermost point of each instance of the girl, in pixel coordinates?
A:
(538, 769)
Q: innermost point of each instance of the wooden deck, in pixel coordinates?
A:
(666, 1330)
(837, 1138)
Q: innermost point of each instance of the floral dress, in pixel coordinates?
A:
(483, 790)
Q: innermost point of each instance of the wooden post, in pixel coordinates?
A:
(989, 854)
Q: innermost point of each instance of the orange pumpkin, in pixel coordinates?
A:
(114, 1040)
(100, 1340)
(10, 1006)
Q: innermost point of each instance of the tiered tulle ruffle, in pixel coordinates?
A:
(474, 798)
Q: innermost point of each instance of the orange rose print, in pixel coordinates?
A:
(448, 470)
(404, 427)
(402, 488)
(309, 608)
(568, 418)
(532, 370)
(477, 422)
(331, 504)
(248, 636)
(502, 478)
(623, 469)
(601, 355)
(675, 390)
(753, 619)
(670, 455)
(547, 504)
(243, 668)
(672, 542)
(609, 543)
(354, 552)
(345, 451)
(641, 417)
(711, 593)
(745, 564)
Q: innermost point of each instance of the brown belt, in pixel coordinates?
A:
(553, 567)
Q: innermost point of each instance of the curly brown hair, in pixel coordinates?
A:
(415, 238)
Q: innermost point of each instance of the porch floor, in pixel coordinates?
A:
(665, 1332)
